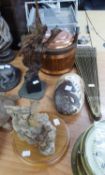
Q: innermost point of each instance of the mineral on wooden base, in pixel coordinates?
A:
(69, 94)
(34, 128)
(39, 138)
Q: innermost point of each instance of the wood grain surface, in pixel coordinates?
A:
(10, 163)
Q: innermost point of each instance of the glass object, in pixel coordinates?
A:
(30, 152)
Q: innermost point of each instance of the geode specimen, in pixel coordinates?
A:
(35, 128)
(69, 94)
(5, 119)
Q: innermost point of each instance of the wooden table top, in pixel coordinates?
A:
(10, 163)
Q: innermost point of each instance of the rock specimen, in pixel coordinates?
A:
(69, 94)
(5, 119)
(35, 128)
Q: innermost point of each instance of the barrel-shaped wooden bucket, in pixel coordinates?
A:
(59, 61)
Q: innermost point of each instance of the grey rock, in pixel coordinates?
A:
(69, 94)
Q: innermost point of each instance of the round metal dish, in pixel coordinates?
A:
(80, 167)
(82, 154)
(88, 155)
(94, 152)
(74, 157)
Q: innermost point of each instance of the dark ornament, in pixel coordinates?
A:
(33, 87)
(33, 82)
(6, 54)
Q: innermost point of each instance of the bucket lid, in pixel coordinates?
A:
(62, 40)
